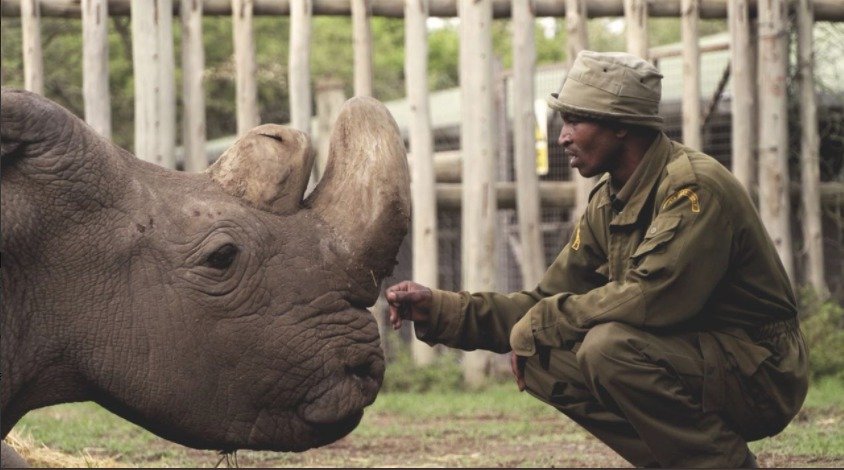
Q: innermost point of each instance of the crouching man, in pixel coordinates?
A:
(667, 326)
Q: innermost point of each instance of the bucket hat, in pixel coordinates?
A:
(613, 86)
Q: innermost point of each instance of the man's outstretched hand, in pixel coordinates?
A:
(408, 301)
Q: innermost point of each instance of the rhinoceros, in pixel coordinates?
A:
(219, 310)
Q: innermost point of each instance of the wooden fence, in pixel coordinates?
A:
(758, 105)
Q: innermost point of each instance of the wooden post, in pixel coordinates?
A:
(193, 97)
(578, 40)
(33, 57)
(524, 144)
(300, 64)
(636, 23)
(152, 59)
(246, 70)
(478, 146)
(825, 10)
(423, 195)
(329, 100)
(95, 87)
(810, 149)
(361, 11)
(691, 74)
(743, 102)
(774, 202)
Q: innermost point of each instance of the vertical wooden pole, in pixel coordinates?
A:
(33, 57)
(636, 23)
(329, 100)
(166, 83)
(810, 149)
(362, 33)
(690, 10)
(301, 12)
(193, 97)
(478, 149)
(774, 202)
(578, 40)
(743, 102)
(246, 69)
(95, 87)
(153, 63)
(422, 189)
(524, 144)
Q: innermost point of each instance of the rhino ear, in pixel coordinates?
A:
(268, 167)
(33, 127)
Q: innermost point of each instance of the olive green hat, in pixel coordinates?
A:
(611, 86)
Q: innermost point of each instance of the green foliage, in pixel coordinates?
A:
(822, 323)
(404, 375)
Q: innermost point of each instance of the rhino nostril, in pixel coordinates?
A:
(362, 371)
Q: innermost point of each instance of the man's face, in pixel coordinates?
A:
(592, 147)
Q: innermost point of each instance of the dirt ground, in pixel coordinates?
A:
(433, 447)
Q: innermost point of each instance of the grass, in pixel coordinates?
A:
(494, 427)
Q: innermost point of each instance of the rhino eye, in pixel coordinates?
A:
(222, 257)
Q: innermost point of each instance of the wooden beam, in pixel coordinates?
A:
(246, 68)
(95, 87)
(420, 136)
(479, 151)
(300, 64)
(825, 10)
(560, 194)
(524, 144)
(33, 56)
(691, 75)
(578, 40)
(636, 27)
(809, 150)
(774, 203)
(155, 94)
(193, 96)
(743, 102)
(362, 38)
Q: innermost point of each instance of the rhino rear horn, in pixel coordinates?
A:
(268, 167)
(365, 191)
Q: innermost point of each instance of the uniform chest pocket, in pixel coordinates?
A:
(658, 234)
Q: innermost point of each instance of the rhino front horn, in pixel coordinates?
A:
(365, 191)
(268, 167)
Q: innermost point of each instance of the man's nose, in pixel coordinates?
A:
(565, 137)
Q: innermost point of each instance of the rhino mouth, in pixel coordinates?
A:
(334, 406)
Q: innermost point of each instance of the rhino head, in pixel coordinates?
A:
(219, 310)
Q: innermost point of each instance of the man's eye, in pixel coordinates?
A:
(222, 257)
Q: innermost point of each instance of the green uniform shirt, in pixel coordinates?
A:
(679, 248)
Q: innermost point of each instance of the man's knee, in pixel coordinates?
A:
(606, 348)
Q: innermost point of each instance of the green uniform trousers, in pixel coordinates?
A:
(678, 400)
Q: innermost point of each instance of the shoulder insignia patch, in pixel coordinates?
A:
(687, 193)
(575, 244)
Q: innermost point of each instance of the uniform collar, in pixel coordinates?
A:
(629, 200)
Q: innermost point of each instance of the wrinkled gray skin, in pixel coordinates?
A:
(217, 310)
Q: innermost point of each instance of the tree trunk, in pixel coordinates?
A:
(95, 66)
(774, 202)
(362, 33)
(478, 145)
(636, 24)
(743, 102)
(809, 150)
(33, 57)
(425, 246)
(246, 69)
(193, 97)
(524, 145)
(691, 75)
